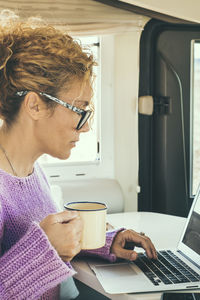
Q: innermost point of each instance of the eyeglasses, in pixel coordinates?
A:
(85, 114)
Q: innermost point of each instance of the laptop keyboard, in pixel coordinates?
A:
(168, 268)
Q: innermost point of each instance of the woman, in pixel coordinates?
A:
(45, 98)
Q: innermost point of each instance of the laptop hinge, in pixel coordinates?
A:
(188, 258)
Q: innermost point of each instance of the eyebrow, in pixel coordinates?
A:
(83, 103)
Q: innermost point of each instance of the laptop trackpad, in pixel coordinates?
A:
(118, 278)
(122, 270)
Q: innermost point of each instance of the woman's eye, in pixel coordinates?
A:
(84, 107)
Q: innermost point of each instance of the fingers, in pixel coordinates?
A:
(126, 254)
(76, 225)
(64, 231)
(148, 246)
(120, 249)
(145, 242)
(73, 251)
(65, 216)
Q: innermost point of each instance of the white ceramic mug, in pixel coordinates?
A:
(93, 215)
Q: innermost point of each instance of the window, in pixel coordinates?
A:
(87, 149)
(93, 156)
(195, 113)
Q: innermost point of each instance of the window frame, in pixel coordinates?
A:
(103, 167)
(193, 185)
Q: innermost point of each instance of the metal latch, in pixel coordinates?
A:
(162, 105)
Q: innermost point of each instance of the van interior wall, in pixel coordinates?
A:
(126, 115)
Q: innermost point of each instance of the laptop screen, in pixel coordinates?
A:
(191, 237)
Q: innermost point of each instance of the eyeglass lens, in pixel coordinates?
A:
(83, 119)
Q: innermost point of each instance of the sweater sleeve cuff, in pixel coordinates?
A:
(31, 267)
(104, 252)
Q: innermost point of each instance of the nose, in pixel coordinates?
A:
(85, 127)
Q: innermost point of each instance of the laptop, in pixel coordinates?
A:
(180, 296)
(175, 269)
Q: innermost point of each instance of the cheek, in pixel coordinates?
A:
(63, 126)
(62, 130)
(56, 133)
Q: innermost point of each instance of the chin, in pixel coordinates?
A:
(65, 155)
(62, 155)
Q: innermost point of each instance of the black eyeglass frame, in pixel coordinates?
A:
(85, 114)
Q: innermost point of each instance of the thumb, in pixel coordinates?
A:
(127, 254)
(65, 216)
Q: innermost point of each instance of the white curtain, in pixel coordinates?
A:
(79, 17)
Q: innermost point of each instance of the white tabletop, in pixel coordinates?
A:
(164, 231)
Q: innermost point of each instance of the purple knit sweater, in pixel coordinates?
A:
(30, 267)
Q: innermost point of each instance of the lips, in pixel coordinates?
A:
(74, 141)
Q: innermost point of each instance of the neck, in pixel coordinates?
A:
(19, 151)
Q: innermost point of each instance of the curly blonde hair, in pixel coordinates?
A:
(37, 58)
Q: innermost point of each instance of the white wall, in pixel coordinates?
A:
(126, 115)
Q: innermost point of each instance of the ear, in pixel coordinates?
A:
(34, 106)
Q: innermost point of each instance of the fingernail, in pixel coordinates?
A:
(133, 256)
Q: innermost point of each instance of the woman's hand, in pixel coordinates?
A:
(136, 239)
(64, 232)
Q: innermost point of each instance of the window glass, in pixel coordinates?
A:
(195, 116)
(87, 147)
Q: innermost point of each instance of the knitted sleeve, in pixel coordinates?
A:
(31, 267)
(1, 227)
(104, 252)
